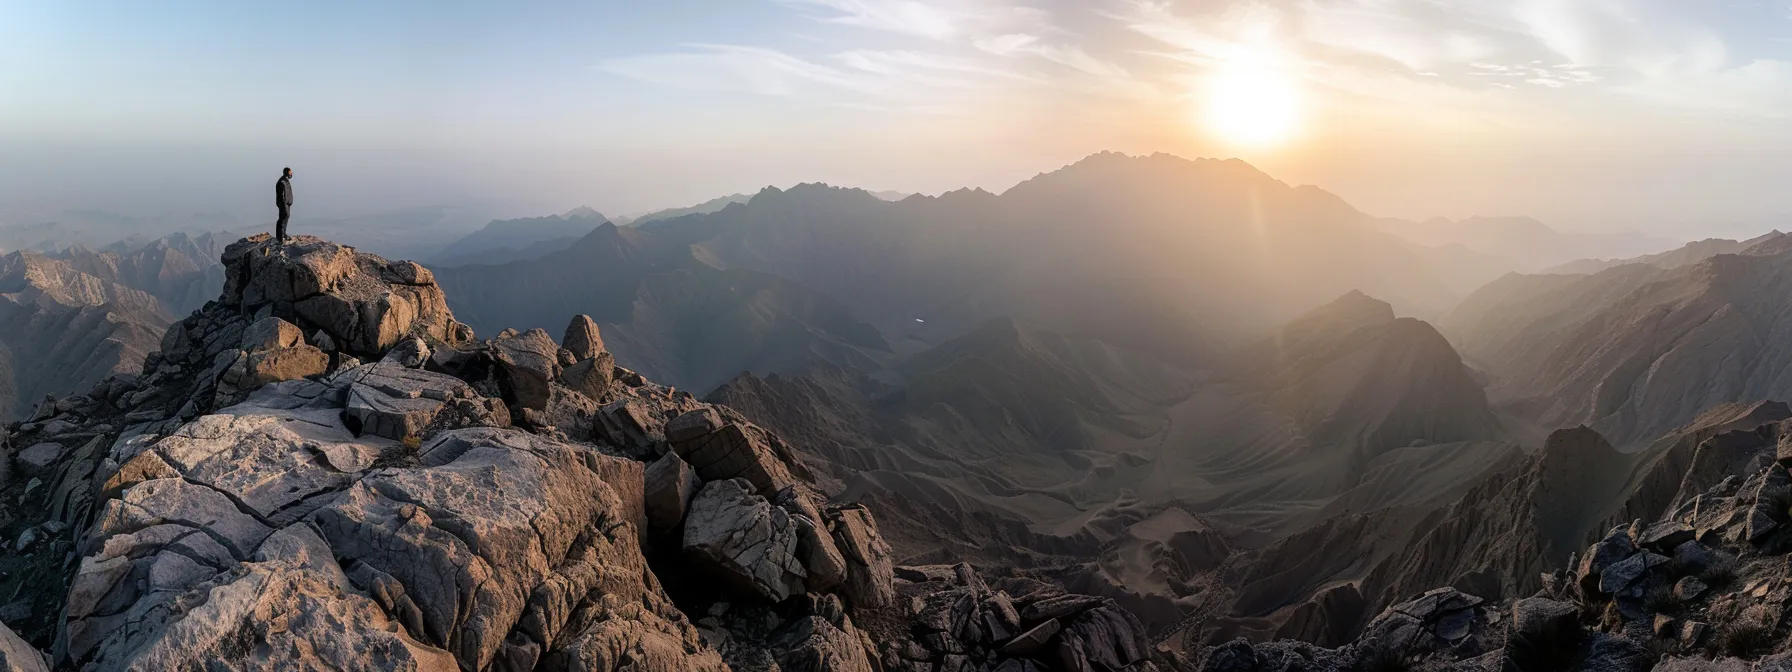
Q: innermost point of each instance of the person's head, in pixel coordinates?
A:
(286, 172)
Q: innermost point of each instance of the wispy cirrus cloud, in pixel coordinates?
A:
(968, 46)
(911, 17)
(733, 68)
(1066, 54)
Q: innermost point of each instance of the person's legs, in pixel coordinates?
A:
(280, 226)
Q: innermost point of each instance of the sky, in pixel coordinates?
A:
(1659, 115)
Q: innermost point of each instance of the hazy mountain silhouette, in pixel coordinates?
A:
(703, 208)
(1692, 252)
(1162, 253)
(508, 240)
(1528, 243)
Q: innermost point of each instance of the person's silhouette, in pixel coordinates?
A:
(283, 201)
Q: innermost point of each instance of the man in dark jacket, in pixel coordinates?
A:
(283, 200)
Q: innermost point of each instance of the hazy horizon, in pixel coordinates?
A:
(1655, 116)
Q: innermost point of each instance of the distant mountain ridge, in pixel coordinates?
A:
(1528, 244)
(703, 208)
(1637, 349)
(1136, 249)
(1689, 253)
(512, 239)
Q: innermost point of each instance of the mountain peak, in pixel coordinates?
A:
(1354, 306)
(583, 212)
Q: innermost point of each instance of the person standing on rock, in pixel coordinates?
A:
(283, 200)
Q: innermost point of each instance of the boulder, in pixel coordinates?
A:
(1664, 536)
(271, 333)
(815, 545)
(1621, 576)
(1033, 641)
(1104, 638)
(1689, 588)
(823, 641)
(591, 377)
(39, 459)
(1615, 547)
(411, 352)
(870, 579)
(1692, 556)
(16, 655)
(743, 540)
(693, 425)
(582, 338)
(397, 402)
(527, 368)
(1436, 619)
(669, 486)
(290, 363)
(729, 452)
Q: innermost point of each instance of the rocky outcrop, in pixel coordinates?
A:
(354, 305)
(425, 511)
(721, 451)
(744, 540)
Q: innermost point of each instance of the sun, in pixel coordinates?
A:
(1252, 105)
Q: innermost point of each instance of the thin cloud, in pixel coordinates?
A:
(732, 68)
(1067, 55)
(908, 17)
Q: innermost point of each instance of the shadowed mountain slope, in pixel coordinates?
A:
(1635, 350)
(1021, 446)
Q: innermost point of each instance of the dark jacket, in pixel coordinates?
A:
(283, 192)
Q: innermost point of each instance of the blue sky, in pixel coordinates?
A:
(1598, 112)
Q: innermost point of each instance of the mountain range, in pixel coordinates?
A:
(1140, 412)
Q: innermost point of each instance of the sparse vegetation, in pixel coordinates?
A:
(1662, 600)
(1747, 636)
(1721, 573)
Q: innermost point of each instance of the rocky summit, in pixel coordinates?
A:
(323, 469)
